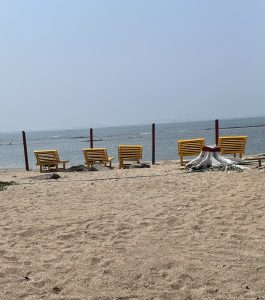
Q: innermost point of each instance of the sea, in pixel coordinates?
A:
(70, 142)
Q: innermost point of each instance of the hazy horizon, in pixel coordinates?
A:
(77, 64)
(144, 123)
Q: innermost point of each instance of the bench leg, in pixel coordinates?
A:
(121, 164)
(181, 160)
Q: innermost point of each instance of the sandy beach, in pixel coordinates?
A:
(157, 233)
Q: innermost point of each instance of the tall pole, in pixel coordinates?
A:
(91, 138)
(216, 131)
(25, 150)
(153, 143)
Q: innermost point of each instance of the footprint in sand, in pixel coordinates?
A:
(184, 280)
(94, 260)
(128, 298)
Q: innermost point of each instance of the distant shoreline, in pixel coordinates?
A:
(235, 127)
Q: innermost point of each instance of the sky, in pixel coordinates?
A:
(84, 63)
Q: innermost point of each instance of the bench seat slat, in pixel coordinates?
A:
(191, 147)
(232, 145)
(93, 155)
(48, 158)
(129, 153)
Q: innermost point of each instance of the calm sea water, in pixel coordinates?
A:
(70, 143)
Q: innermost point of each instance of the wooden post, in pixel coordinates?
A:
(91, 138)
(216, 132)
(153, 143)
(25, 150)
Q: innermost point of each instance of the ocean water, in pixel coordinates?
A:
(70, 143)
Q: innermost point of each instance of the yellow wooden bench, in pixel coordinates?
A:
(129, 153)
(93, 155)
(49, 159)
(232, 145)
(192, 147)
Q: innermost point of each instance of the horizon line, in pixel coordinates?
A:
(158, 121)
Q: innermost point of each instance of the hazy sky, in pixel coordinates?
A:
(82, 63)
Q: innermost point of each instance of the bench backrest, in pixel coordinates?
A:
(130, 151)
(232, 144)
(46, 156)
(190, 147)
(95, 154)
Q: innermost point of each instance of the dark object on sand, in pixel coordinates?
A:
(46, 176)
(138, 165)
(5, 184)
(79, 168)
(56, 290)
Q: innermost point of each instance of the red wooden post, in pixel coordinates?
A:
(216, 131)
(153, 143)
(25, 150)
(91, 138)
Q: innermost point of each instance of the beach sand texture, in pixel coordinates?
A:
(158, 233)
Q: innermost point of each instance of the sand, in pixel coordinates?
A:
(158, 233)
